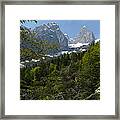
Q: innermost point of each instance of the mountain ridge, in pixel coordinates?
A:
(52, 33)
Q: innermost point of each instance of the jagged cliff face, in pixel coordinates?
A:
(52, 33)
(84, 36)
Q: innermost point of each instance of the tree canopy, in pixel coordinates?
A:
(74, 76)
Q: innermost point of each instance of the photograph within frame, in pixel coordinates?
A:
(55, 66)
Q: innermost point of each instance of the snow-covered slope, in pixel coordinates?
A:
(97, 40)
(77, 45)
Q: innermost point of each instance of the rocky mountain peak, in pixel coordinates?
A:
(52, 33)
(84, 36)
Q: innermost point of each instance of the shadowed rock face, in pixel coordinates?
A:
(52, 33)
(84, 36)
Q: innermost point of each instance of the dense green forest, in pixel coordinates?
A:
(66, 77)
(73, 76)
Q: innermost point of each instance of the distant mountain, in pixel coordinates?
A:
(52, 33)
(84, 36)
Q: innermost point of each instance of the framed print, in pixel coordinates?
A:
(60, 60)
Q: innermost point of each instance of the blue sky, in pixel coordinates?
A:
(71, 27)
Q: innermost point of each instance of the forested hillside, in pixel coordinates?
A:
(74, 76)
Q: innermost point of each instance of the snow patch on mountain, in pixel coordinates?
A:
(97, 40)
(77, 45)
